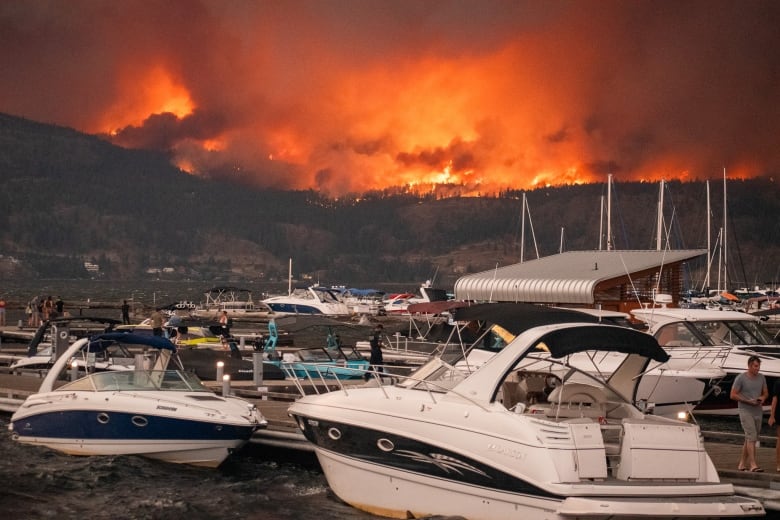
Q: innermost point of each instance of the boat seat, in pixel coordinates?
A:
(576, 400)
(533, 386)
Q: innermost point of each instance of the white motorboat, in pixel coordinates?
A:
(398, 303)
(161, 413)
(733, 336)
(672, 388)
(308, 300)
(468, 444)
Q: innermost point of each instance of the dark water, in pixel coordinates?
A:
(37, 483)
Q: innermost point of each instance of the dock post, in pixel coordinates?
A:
(139, 362)
(242, 342)
(220, 370)
(225, 386)
(257, 373)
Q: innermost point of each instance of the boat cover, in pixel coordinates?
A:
(101, 342)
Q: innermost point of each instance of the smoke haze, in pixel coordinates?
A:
(352, 95)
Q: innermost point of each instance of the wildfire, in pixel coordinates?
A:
(150, 92)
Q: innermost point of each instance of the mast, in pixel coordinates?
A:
(660, 232)
(560, 247)
(601, 221)
(289, 279)
(609, 212)
(725, 235)
(522, 230)
(709, 239)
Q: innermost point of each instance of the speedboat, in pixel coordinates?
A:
(672, 388)
(329, 362)
(453, 443)
(163, 413)
(729, 336)
(308, 300)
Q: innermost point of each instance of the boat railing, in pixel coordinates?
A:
(321, 384)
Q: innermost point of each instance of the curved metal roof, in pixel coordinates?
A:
(569, 277)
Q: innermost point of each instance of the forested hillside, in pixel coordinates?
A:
(67, 198)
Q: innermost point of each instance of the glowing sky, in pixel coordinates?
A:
(349, 95)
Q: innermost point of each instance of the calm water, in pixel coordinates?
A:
(252, 484)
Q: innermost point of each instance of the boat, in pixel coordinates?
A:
(308, 300)
(733, 335)
(398, 303)
(237, 302)
(333, 361)
(671, 389)
(59, 333)
(444, 442)
(163, 412)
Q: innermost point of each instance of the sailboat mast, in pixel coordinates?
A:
(601, 221)
(709, 238)
(609, 212)
(725, 235)
(522, 231)
(560, 247)
(660, 232)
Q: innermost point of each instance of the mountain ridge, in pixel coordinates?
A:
(70, 197)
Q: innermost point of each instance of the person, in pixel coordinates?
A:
(750, 391)
(125, 313)
(48, 306)
(224, 324)
(375, 360)
(2, 312)
(59, 306)
(773, 413)
(157, 322)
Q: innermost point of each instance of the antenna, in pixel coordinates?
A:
(609, 212)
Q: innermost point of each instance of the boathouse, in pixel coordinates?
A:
(612, 280)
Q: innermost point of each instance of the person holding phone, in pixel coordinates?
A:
(750, 392)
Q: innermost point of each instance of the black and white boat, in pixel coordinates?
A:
(470, 444)
(161, 412)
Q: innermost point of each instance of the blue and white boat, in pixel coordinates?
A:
(308, 300)
(161, 413)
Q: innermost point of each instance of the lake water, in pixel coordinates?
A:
(255, 483)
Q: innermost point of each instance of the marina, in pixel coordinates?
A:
(282, 435)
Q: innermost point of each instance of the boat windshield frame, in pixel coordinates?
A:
(732, 332)
(138, 381)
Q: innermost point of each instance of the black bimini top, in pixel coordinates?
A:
(519, 317)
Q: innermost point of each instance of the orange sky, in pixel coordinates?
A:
(350, 95)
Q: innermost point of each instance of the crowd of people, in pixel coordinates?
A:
(40, 309)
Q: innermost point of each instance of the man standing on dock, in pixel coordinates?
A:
(2, 312)
(157, 322)
(750, 391)
(125, 313)
(376, 360)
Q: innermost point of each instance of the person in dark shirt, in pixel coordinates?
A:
(375, 360)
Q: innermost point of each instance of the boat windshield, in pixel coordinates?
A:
(138, 380)
(436, 376)
(735, 332)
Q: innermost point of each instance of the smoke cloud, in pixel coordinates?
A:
(352, 95)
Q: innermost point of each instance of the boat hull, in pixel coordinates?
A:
(392, 493)
(169, 431)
